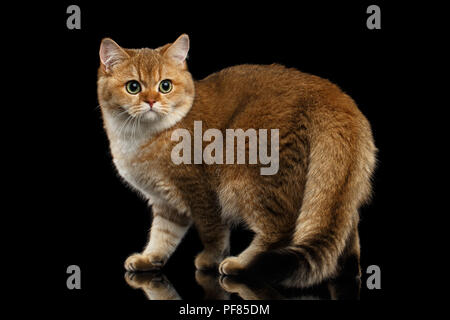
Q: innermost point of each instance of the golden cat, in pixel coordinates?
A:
(305, 217)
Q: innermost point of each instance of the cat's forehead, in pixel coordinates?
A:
(148, 64)
(145, 62)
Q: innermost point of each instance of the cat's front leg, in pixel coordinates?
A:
(215, 236)
(168, 228)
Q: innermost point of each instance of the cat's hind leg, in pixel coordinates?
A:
(264, 209)
(168, 228)
(272, 228)
(260, 243)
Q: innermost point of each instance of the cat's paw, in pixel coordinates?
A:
(140, 262)
(231, 266)
(206, 260)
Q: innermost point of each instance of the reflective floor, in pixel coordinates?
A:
(156, 286)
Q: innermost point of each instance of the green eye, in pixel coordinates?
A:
(133, 87)
(165, 86)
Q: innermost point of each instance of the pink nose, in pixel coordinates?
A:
(150, 102)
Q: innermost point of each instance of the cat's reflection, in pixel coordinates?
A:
(157, 287)
(258, 289)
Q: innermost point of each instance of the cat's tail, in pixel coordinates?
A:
(338, 182)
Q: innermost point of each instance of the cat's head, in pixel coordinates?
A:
(153, 85)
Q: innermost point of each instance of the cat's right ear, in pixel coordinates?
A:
(111, 54)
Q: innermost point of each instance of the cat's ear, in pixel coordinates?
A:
(179, 49)
(111, 53)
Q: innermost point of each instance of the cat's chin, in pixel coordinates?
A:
(151, 116)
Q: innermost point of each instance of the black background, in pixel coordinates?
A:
(86, 216)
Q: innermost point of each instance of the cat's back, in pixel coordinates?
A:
(271, 87)
(261, 96)
(264, 80)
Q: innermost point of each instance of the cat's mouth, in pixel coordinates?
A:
(152, 114)
(142, 111)
(145, 112)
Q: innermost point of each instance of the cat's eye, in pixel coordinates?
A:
(165, 86)
(133, 87)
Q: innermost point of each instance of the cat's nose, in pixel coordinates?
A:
(150, 102)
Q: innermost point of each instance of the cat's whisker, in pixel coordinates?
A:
(134, 129)
(162, 111)
(139, 122)
(125, 125)
(122, 112)
(119, 115)
(119, 132)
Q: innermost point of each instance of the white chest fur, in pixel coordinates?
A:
(141, 175)
(125, 144)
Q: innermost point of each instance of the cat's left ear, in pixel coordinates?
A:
(179, 49)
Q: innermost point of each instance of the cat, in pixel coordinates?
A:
(305, 217)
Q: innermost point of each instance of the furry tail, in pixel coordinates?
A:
(338, 182)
